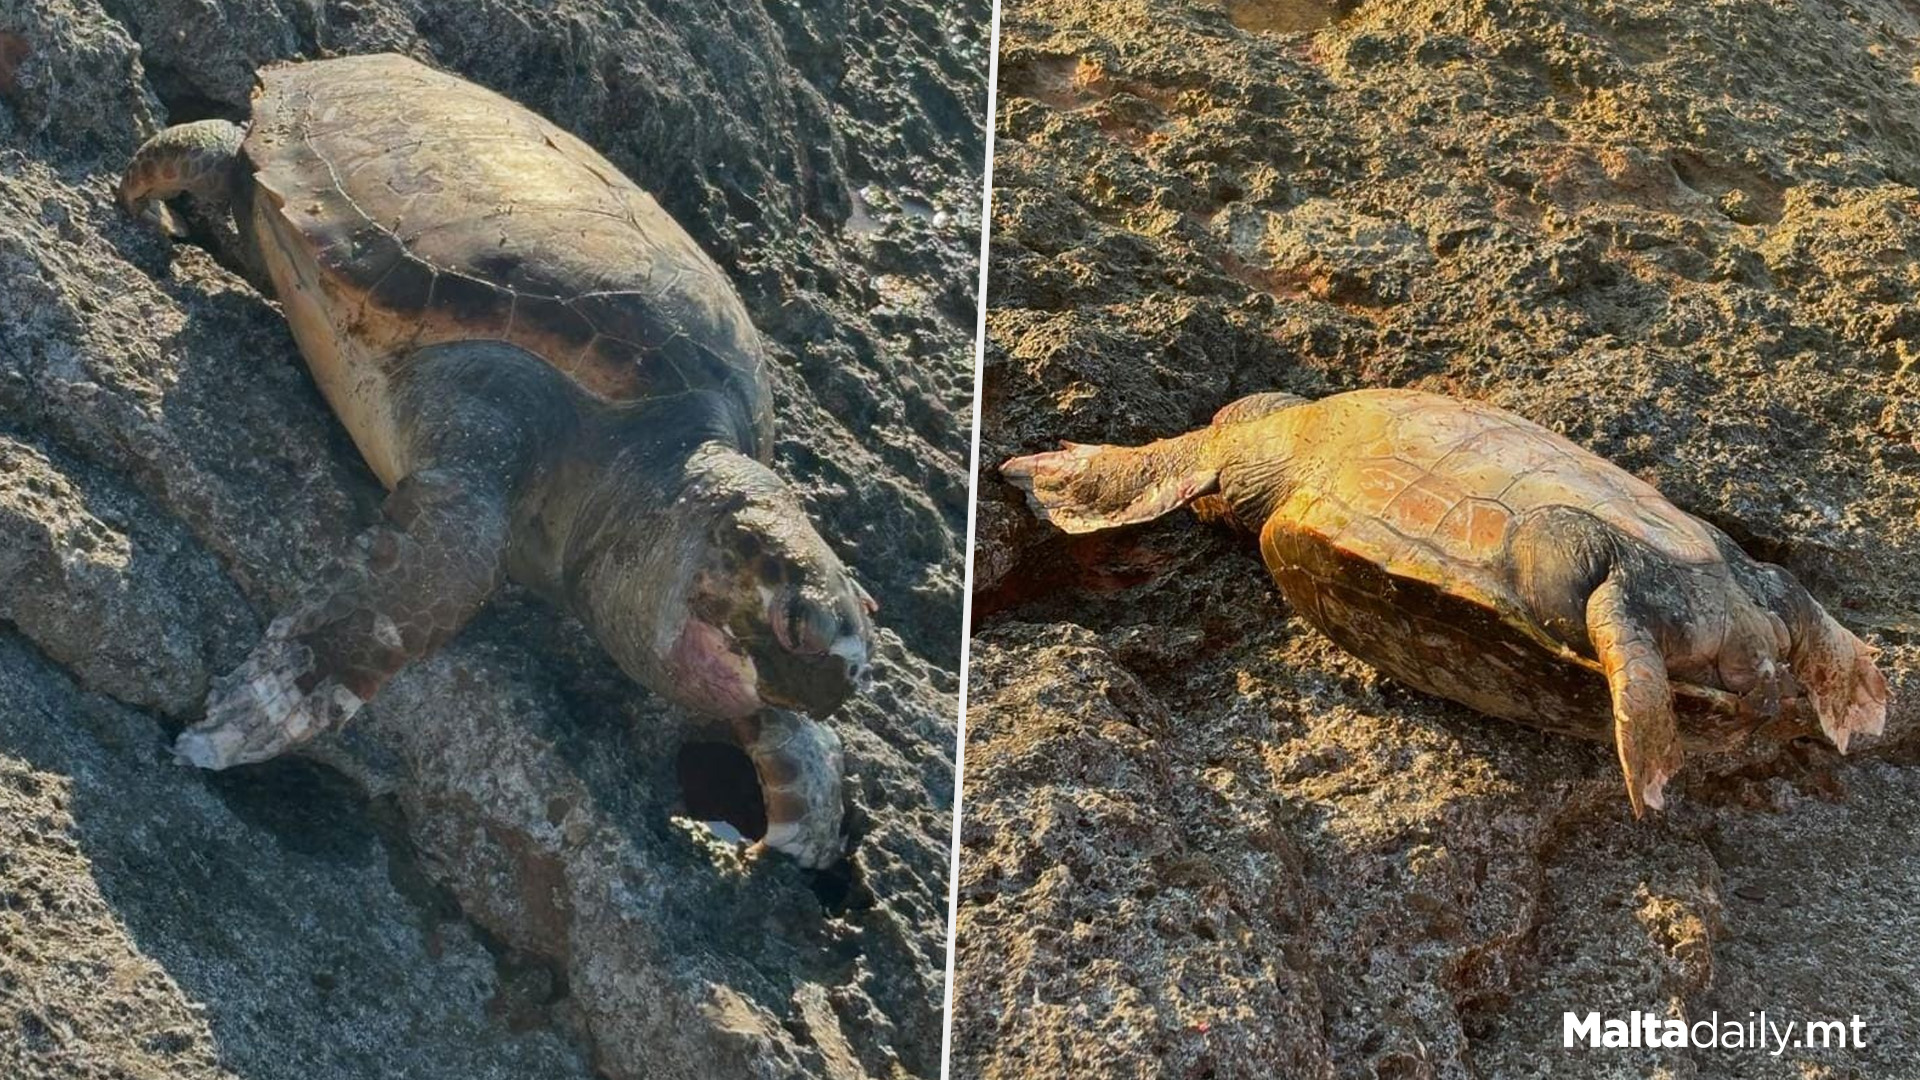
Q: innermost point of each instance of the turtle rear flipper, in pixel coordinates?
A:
(202, 161)
(196, 159)
(1084, 488)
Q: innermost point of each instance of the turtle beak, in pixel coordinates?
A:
(852, 649)
(816, 684)
(819, 691)
(822, 683)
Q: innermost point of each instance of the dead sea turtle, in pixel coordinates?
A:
(556, 383)
(1483, 558)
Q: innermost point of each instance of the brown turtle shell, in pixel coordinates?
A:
(1392, 542)
(435, 210)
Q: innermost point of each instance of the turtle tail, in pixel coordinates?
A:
(1083, 488)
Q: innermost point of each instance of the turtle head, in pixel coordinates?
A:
(783, 599)
(741, 605)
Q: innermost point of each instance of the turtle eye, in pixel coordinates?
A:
(809, 628)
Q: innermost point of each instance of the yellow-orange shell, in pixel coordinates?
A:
(1391, 540)
(396, 206)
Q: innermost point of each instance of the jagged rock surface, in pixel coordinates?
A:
(484, 876)
(1198, 839)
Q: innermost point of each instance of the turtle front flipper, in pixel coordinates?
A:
(1082, 488)
(472, 414)
(1837, 670)
(799, 763)
(1644, 730)
(411, 583)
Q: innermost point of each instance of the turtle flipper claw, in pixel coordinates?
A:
(260, 712)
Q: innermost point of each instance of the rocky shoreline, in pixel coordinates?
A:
(1198, 839)
(491, 873)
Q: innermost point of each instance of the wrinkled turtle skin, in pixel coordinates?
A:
(1477, 556)
(557, 384)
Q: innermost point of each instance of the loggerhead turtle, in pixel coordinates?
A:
(556, 384)
(1480, 557)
